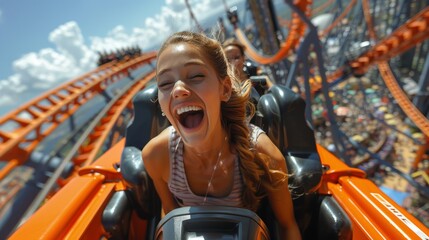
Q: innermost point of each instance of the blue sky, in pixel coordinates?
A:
(45, 43)
(25, 25)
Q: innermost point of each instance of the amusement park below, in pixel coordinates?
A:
(341, 88)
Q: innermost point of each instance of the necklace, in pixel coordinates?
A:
(209, 184)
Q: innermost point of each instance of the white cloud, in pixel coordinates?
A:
(51, 66)
(173, 17)
(36, 72)
(70, 43)
(174, 5)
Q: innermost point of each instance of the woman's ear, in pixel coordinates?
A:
(226, 89)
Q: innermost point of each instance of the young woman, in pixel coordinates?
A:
(211, 155)
(234, 52)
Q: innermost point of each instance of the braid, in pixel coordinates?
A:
(254, 166)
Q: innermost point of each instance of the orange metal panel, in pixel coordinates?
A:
(75, 211)
(57, 217)
(88, 224)
(138, 227)
(362, 226)
(373, 214)
(386, 216)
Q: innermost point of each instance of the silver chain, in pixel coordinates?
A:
(209, 184)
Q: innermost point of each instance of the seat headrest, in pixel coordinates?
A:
(148, 120)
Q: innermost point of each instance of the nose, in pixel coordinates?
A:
(180, 89)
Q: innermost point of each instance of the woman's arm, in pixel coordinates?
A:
(280, 199)
(281, 203)
(156, 160)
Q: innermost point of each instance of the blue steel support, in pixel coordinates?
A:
(264, 15)
(420, 188)
(312, 37)
(422, 97)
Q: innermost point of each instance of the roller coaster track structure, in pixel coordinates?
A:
(338, 19)
(86, 150)
(410, 34)
(407, 106)
(413, 32)
(405, 37)
(87, 153)
(37, 119)
(91, 143)
(296, 31)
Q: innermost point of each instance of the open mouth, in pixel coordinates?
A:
(190, 116)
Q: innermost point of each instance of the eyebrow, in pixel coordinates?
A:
(186, 64)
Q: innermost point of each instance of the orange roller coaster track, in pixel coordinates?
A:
(38, 118)
(368, 20)
(407, 106)
(94, 138)
(321, 8)
(338, 19)
(413, 32)
(88, 153)
(297, 29)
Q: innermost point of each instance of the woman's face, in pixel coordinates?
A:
(190, 92)
(235, 58)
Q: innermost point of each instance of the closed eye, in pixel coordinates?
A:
(197, 76)
(165, 84)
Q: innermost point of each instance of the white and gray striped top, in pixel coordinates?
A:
(178, 183)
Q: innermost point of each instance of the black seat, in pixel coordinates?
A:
(141, 195)
(280, 115)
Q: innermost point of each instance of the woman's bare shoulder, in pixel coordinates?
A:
(266, 146)
(155, 153)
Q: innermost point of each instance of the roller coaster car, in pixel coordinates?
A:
(277, 110)
(118, 201)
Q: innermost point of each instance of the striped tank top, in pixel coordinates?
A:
(178, 183)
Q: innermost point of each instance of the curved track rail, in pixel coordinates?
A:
(35, 120)
(94, 141)
(95, 137)
(413, 32)
(338, 19)
(407, 106)
(296, 31)
(88, 152)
